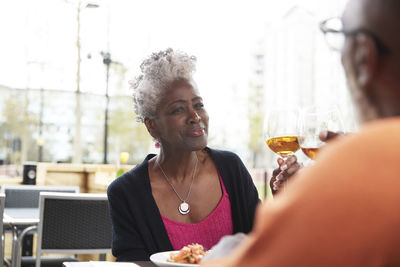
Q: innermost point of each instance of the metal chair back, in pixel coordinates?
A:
(27, 196)
(73, 224)
(2, 200)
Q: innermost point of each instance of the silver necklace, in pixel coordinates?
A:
(184, 207)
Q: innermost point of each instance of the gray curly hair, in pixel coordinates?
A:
(158, 71)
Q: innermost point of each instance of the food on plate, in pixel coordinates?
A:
(188, 254)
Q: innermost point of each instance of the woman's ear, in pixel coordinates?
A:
(151, 127)
(365, 60)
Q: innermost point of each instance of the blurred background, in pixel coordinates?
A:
(66, 65)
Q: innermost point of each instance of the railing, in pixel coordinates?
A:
(95, 178)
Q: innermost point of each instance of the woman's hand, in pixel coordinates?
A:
(290, 166)
(282, 174)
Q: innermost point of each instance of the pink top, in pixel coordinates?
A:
(206, 232)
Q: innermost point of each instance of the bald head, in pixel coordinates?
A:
(382, 17)
(373, 73)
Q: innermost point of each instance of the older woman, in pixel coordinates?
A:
(188, 193)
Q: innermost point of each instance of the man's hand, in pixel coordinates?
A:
(225, 246)
(328, 135)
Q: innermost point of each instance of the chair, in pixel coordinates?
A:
(73, 224)
(27, 196)
(23, 201)
(2, 199)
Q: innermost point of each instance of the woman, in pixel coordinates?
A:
(188, 193)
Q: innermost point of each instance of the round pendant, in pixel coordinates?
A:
(184, 208)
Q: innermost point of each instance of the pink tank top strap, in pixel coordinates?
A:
(222, 185)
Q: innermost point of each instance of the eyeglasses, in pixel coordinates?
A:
(335, 35)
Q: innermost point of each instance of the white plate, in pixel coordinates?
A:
(160, 259)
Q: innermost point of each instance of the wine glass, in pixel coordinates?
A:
(314, 120)
(281, 131)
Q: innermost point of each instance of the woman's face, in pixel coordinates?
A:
(182, 121)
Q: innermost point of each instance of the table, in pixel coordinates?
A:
(88, 264)
(19, 218)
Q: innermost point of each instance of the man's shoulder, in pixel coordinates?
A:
(382, 127)
(374, 144)
(382, 135)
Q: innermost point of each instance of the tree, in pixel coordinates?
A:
(256, 119)
(19, 124)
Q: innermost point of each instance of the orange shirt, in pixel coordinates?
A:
(342, 211)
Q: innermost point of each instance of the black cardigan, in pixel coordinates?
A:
(138, 230)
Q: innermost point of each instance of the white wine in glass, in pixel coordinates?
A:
(310, 152)
(281, 131)
(283, 145)
(314, 120)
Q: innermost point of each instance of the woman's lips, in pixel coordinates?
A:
(197, 132)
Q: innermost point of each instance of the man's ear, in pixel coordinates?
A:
(150, 125)
(365, 59)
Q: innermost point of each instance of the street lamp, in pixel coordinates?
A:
(107, 61)
(40, 141)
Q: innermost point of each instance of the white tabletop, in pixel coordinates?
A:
(21, 216)
(109, 264)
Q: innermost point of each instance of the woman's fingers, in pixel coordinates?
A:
(275, 186)
(276, 172)
(285, 170)
(294, 168)
(288, 163)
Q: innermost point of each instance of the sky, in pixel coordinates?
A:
(39, 37)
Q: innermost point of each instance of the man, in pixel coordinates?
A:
(344, 210)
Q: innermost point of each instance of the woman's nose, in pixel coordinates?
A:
(194, 117)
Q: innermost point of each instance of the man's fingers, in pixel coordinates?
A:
(328, 135)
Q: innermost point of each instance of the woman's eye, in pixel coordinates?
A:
(199, 106)
(178, 110)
